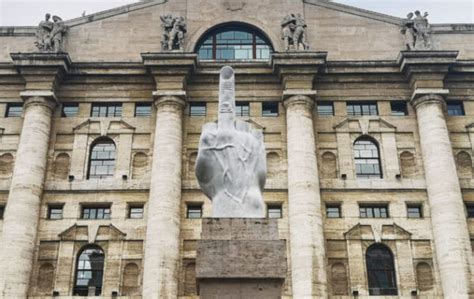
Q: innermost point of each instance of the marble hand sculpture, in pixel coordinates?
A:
(231, 164)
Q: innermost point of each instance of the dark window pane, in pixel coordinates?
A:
(234, 42)
(399, 108)
(197, 109)
(2, 211)
(194, 211)
(242, 109)
(381, 271)
(89, 272)
(455, 108)
(106, 110)
(325, 109)
(135, 212)
(102, 160)
(270, 109)
(361, 108)
(414, 211)
(142, 109)
(274, 211)
(70, 110)
(470, 210)
(14, 110)
(55, 212)
(373, 211)
(333, 211)
(95, 213)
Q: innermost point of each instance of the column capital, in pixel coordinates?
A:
(42, 71)
(39, 97)
(300, 99)
(426, 96)
(163, 98)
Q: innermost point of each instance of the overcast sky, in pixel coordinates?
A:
(30, 12)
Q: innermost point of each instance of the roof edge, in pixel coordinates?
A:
(31, 30)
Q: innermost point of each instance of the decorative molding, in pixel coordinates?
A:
(104, 127)
(383, 232)
(364, 125)
(92, 232)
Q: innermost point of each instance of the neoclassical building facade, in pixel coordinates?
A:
(368, 124)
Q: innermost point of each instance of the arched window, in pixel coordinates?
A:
(367, 158)
(234, 42)
(89, 272)
(381, 271)
(102, 159)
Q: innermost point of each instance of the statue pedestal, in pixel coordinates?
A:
(240, 258)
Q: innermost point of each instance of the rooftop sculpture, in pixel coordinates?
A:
(174, 30)
(293, 32)
(417, 31)
(50, 35)
(231, 164)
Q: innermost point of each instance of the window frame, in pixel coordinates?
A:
(195, 205)
(399, 102)
(13, 105)
(361, 104)
(82, 290)
(55, 206)
(386, 267)
(107, 106)
(69, 105)
(272, 114)
(195, 105)
(97, 142)
(274, 206)
(97, 207)
(358, 157)
(214, 45)
(326, 104)
(419, 206)
(373, 207)
(132, 206)
(332, 206)
(242, 112)
(142, 104)
(458, 103)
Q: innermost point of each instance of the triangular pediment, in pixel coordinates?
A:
(92, 233)
(377, 233)
(103, 127)
(365, 125)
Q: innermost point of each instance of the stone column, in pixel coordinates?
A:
(162, 244)
(23, 206)
(42, 73)
(307, 246)
(426, 72)
(160, 277)
(450, 231)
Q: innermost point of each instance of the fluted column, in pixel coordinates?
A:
(23, 206)
(308, 270)
(160, 277)
(450, 231)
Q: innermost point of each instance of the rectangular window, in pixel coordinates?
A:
(455, 108)
(373, 211)
(197, 109)
(470, 210)
(333, 211)
(399, 108)
(274, 211)
(70, 109)
(106, 110)
(96, 212)
(242, 109)
(362, 108)
(325, 108)
(14, 110)
(55, 212)
(142, 109)
(2, 211)
(194, 211)
(135, 211)
(414, 211)
(270, 109)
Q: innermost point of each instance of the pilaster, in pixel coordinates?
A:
(42, 74)
(161, 272)
(426, 71)
(297, 71)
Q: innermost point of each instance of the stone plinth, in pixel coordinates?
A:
(240, 258)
